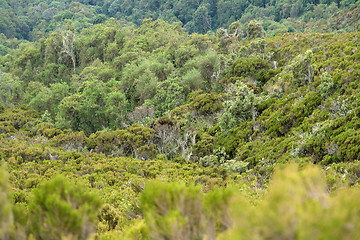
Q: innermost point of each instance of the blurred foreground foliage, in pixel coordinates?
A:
(296, 205)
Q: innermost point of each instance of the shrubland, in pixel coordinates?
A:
(149, 132)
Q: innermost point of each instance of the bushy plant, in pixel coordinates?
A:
(61, 209)
(6, 215)
(173, 211)
(327, 83)
(297, 206)
(239, 108)
(255, 30)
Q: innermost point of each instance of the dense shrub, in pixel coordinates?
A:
(60, 208)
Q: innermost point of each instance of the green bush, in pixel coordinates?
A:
(255, 30)
(240, 107)
(253, 67)
(174, 211)
(297, 206)
(207, 103)
(6, 215)
(61, 209)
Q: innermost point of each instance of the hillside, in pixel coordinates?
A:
(114, 131)
(32, 20)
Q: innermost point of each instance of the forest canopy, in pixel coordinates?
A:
(32, 20)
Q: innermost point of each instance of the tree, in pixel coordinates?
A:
(169, 94)
(92, 111)
(302, 70)
(192, 80)
(235, 29)
(327, 84)
(201, 22)
(11, 90)
(239, 108)
(116, 105)
(255, 30)
(68, 115)
(68, 46)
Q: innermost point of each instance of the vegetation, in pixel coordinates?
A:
(117, 124)
(32, 20)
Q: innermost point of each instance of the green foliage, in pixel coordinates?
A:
(169, 94)
(68, 140)
(193, 80)
(204, 145)
(239, 108)
(6, 216)
(175, 211)
(255, 69)
(60, 208)
(2, 108)
(34, 20)
(204, 109)
(11, 90)
(134, 141)
(302, 70)
(235, 166)
(349, 149)
(255, 30)
(109, 217)
(327, 84)
(46, 117)
(297, 206)
(16, 117)
(89, 104)
(206, 104)
(6, 127)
